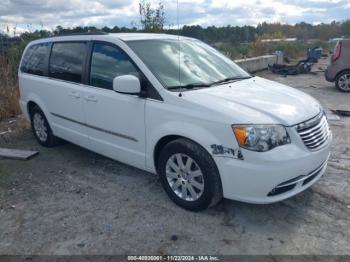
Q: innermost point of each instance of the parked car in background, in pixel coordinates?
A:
(338, 70)
(190, 114)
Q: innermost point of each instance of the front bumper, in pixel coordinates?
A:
(268, 177)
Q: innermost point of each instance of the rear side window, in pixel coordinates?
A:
(107, 62)
(66, 61)
(34, 59)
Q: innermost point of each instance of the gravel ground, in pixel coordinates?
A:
(69, 200)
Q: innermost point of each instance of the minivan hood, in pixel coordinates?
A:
(257, 101)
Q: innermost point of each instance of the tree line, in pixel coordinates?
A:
(152, 19)
(213, 34)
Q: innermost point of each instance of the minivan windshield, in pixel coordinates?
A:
(200, 64)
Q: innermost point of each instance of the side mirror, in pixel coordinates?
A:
(127, 84)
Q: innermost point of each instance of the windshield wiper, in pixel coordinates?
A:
(230, 79)
(189, 86)
(199, 85)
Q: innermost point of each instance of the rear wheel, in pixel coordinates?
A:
(342, 81)
(189, 175)
(41, 128)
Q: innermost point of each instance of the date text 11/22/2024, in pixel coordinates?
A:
(173, 258)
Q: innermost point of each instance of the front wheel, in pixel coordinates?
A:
(342, 81)
(189, 175)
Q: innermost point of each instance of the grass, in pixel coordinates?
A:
(9, 61)
(8, 91)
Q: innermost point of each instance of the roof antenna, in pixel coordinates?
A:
(178, 39)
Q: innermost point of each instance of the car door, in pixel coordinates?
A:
(115, 121)
(66, 67)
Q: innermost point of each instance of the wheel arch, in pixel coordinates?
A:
(340, 72)
(343, 72)
(160, 135)
(34, 100)
(30, 106)
(163, 141)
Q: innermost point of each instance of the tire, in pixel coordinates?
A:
(342, 82)
(201, 191)
(41, 128)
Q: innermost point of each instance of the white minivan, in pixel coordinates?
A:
(179, 108)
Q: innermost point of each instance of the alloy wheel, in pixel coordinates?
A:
(185, 177)
(344, 82)
(40, 127)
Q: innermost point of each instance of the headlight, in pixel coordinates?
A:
(260, 138)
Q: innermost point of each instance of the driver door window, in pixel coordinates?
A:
(107, 62)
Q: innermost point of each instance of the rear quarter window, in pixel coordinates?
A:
(34, 59)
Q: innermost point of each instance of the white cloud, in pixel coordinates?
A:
(47, 14)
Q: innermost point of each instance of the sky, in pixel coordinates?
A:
(47, 14)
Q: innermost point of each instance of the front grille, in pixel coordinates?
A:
(314, 132)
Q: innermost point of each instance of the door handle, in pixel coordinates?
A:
(74, 94)
(90, 98)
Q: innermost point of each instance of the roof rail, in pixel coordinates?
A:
(83, 33)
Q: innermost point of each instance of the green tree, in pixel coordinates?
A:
(345, 28)
(152, 19)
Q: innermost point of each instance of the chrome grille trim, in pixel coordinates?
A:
(312, 129)
(315, 133)
(315, 137)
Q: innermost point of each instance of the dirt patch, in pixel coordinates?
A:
(12, 128)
